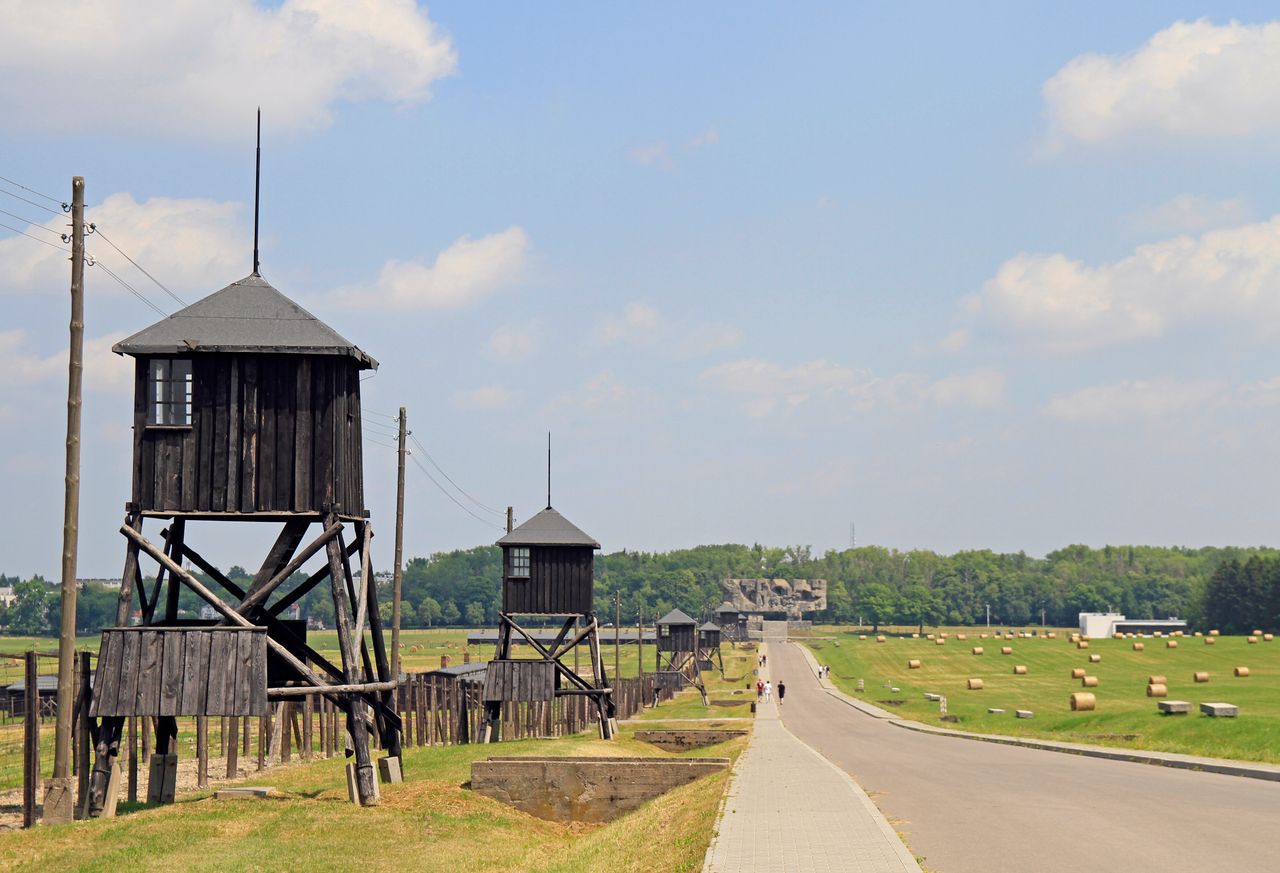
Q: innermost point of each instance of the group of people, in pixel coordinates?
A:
(764, 691)
(823, 670)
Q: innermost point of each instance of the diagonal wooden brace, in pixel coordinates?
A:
(261, 594)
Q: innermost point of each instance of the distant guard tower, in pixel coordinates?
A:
(246, 409)
(676, 662)
(709, 647)
(729, 619)
(547, 572)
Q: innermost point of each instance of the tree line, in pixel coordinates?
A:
(1234, 589)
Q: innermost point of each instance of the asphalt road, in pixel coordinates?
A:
(970, 807)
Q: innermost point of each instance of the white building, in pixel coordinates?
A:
(1105, 624)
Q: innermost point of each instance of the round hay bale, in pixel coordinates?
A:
(913, 664)
(1157, 680)
(939, 642)
(962, 637)
(1006, 650)
(1257, 633)
(1008, 636)
(928, 636)
(1171, 644)
(975, 684)
(1077, 673)
(1242, 672)
(1157, 690)
(1020, 670)
(1082, 644)
(1215, 633)
(1158, 633)
(1251, 640)
(880, 639)
(983, 636)
(1094, 659)
(1197, 634)
(942, 636)
(1051, 635)
(1083, 701)
(1209, 641)
(1138, 647)
(862, 636)
(915, 636)
(977, 650)
(1266, 638)
(1200, 676)
(1117, 636)
(1089, 681)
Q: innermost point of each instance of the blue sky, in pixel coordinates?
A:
(1002, 276)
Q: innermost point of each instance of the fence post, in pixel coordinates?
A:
(202, 751)
(30, 741)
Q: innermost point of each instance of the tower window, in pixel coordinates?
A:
(520, 563)
(169, 384)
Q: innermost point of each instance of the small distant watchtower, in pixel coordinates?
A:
(676, 662)
(548, 571)
(709, 646)
(729, 619)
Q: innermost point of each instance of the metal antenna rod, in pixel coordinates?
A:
(257, 183)
(548, 469)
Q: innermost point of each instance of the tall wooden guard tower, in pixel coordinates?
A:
(246, 410)
(709, 647)
(733, 624)
(676, 662)
(548, 571)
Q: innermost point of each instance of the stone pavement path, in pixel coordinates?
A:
(789, 810)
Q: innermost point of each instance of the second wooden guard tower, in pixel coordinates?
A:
(246, 409)
(676, 662)
(709, 647)
(548, 571)
(730, 620)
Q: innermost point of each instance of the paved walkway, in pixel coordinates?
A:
(789, 810)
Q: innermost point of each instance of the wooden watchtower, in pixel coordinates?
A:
(709, 647)
(246, 410)
(548, 571)
(730, 620)
(676, 662)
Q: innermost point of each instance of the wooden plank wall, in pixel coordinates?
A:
(520, 680)
(181, 671)
(269, 433)
(560, 582)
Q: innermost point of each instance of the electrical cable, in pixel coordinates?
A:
(29, 236)
(431, 478)
(33, 191)
(160, 284)
(30, 223)
(31, 202)
(128, 287)
(424, 451)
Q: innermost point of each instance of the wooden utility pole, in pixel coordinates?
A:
(511, 519)
(640, 639)
(399, 569)
(617, 634)
(59, 803)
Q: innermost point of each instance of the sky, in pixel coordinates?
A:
(1004, 276)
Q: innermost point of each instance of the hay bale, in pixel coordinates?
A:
(1242, 672)
(1157, 690)
(913, 664)
(1157, 680)
(1266, 638)
(1171, 644)
(928, 636)
(939, 642)
(880, 639)
(1251, 640)
(915, 636)
(862, 636)
(1138, 647)
(1257, 633)
(975, 684)
(1082, 644)
(1020, 670)
(977, 650)
(1006, 650)
(1209, 641)
(984, 636)
(1083, 701)
(962, 637)
(1051, 635)
(1094, 659)
(1117, 636)
(1077, 673)
(1197, 634)
(1200, 676)
(1089, 681)
(1215, 633)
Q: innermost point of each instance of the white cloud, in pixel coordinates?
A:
(655, 154)
(103, 371)
(639, 323)
(464, 273)
(1161, 398)
(513, 343)
(487, 397)
(1066, 304)
(1188, 213)
(768, 386)
(296, 59)
(186, 244)
(708, 137)
(1193, 79)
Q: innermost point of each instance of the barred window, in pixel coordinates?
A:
(170, 392)
(664, 630)
(520, 563)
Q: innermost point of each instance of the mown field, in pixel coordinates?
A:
(431, 822)
(1124, 717)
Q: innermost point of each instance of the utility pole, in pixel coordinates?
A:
(640, 639)
(399, 569)
(58, 800)
(617, 634)
(988, 615)
(511, 519)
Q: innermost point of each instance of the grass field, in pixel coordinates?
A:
(432, 822)
(1124, 717)
(727, 692)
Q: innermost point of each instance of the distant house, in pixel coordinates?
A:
(7, 596)
(1104, 624)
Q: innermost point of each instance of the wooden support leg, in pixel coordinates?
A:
(106, 754)
(365, 781)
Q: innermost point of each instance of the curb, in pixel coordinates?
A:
(1220, 766)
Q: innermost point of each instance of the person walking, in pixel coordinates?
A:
(768, 691)
(759, 689)
(782, 692)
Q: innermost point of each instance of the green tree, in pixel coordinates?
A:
(30, 613)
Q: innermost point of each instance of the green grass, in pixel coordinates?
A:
(432, 822)
(727, 692)
(1125, 716)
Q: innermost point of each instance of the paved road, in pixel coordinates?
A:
(968, 807)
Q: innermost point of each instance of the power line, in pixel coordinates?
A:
(95, 229)
(424, 451)
(35, 192)
(29, 236)
(31, 202)
(442, 490)
(384, 445)
(31, 223)
(128, 287)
